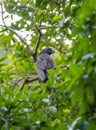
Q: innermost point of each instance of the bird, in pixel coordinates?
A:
(43, 63)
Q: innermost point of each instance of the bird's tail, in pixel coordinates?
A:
(45, 79)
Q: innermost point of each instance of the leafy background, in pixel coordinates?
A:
(67, 100)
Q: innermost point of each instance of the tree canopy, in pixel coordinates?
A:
(67, 101)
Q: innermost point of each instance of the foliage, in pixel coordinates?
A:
(67, 100)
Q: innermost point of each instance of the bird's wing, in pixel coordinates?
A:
(45, 62)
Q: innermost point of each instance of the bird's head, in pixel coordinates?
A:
(49, 51)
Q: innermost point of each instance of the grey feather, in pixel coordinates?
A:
(43, 63)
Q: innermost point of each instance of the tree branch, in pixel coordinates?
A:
(47, 113)
(3, 30)
(27, 81)
(21, 39)
(38, 41)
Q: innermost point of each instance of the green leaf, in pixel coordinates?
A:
(57, 18)
(92, 126)
(89, 95)
(56, 122)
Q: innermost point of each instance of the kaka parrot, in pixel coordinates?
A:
(43, 63)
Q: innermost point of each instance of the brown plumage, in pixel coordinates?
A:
(43, 63)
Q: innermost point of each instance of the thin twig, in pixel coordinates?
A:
(34, 14)
(27, 81)
(47, 113)
(55, 47)
(2, 16)
(38, 41)
(23, 6)
(17, 82)
(3, 30)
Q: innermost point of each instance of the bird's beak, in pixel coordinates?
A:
(52, 51)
